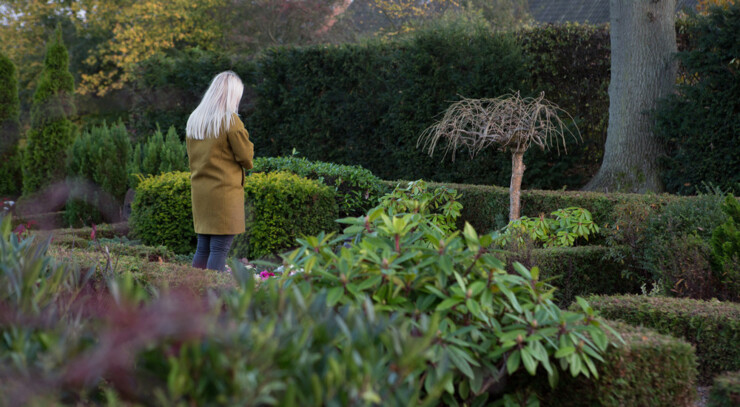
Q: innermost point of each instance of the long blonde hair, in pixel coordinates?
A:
(214, 112)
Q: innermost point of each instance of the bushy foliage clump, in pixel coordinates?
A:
(158, 155)
(674, 248)
(161, 213)
(726, 390)
(713, 327)
(493, 323)
(371, 101)
(97, 167)
(356, 188)
(725, 243)
(10, 163)
(700, 123)
(571, 64)
(51, 131)
(281, 207)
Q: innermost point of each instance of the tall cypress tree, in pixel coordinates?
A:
(10, 182)
(51, 130)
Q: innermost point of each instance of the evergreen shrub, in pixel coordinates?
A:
(649, 369)
(581, 271)
(366, 104)
(51, 131)
(675, 246)
(168, 87)
(571, 63)
(725, 243)
(97, 164)
(725, 391)
(10, 159)
(158, 155)
(356, 188)
(486, 208)
(162, 212)
(700, 123)
(713, 327)
(281, 207)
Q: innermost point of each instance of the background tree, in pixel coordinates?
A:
(510, 121)
(255, 25)
(51, 129)
(9, 128)
(142, 29)
(643, 70)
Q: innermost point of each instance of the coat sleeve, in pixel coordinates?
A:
(241, 146)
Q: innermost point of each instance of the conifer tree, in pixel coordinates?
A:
(9, 128)
(51, 130)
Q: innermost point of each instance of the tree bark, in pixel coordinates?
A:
(515, 187)
(643, 69)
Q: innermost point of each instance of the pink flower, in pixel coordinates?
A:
(94, 230)
(266, 274)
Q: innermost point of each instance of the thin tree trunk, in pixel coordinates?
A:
(515, 188)
(643, 69)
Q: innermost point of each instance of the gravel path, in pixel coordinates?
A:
(701, 400)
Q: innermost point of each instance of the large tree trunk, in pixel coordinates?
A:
(515, 187)
(643, 69)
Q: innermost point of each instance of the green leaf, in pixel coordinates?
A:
(449, 303)
(512, 363)
(564, 351)
(529, 363)
(460, 362)
(333, 296)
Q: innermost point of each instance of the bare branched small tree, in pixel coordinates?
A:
(511, 122)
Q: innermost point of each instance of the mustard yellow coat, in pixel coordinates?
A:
(217, 179)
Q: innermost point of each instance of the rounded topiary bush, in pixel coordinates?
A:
(161, 213)
(357, 189)
(281, 207)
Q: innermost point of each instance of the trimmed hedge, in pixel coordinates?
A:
(649, 370)
(726, 391)
(486, 208)
(712, 326)
(581, 271)
(281, 207)
(571, 63)
(700, 122)
(357, 189)
(366, 104)
(162, 214)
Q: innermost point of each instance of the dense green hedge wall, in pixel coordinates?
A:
(169, 87)
(51, 130)
(649, 370)
(281, 207)
(367, 104)
(581, 271)
(725, 391)
(700, 123)
(571, 63)
(713, 327)
(357, 189)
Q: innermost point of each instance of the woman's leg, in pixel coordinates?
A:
(220, 245)
(202, 251)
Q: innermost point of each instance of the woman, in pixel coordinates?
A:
(218, 150)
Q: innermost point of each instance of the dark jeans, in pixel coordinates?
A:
(212, 251)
